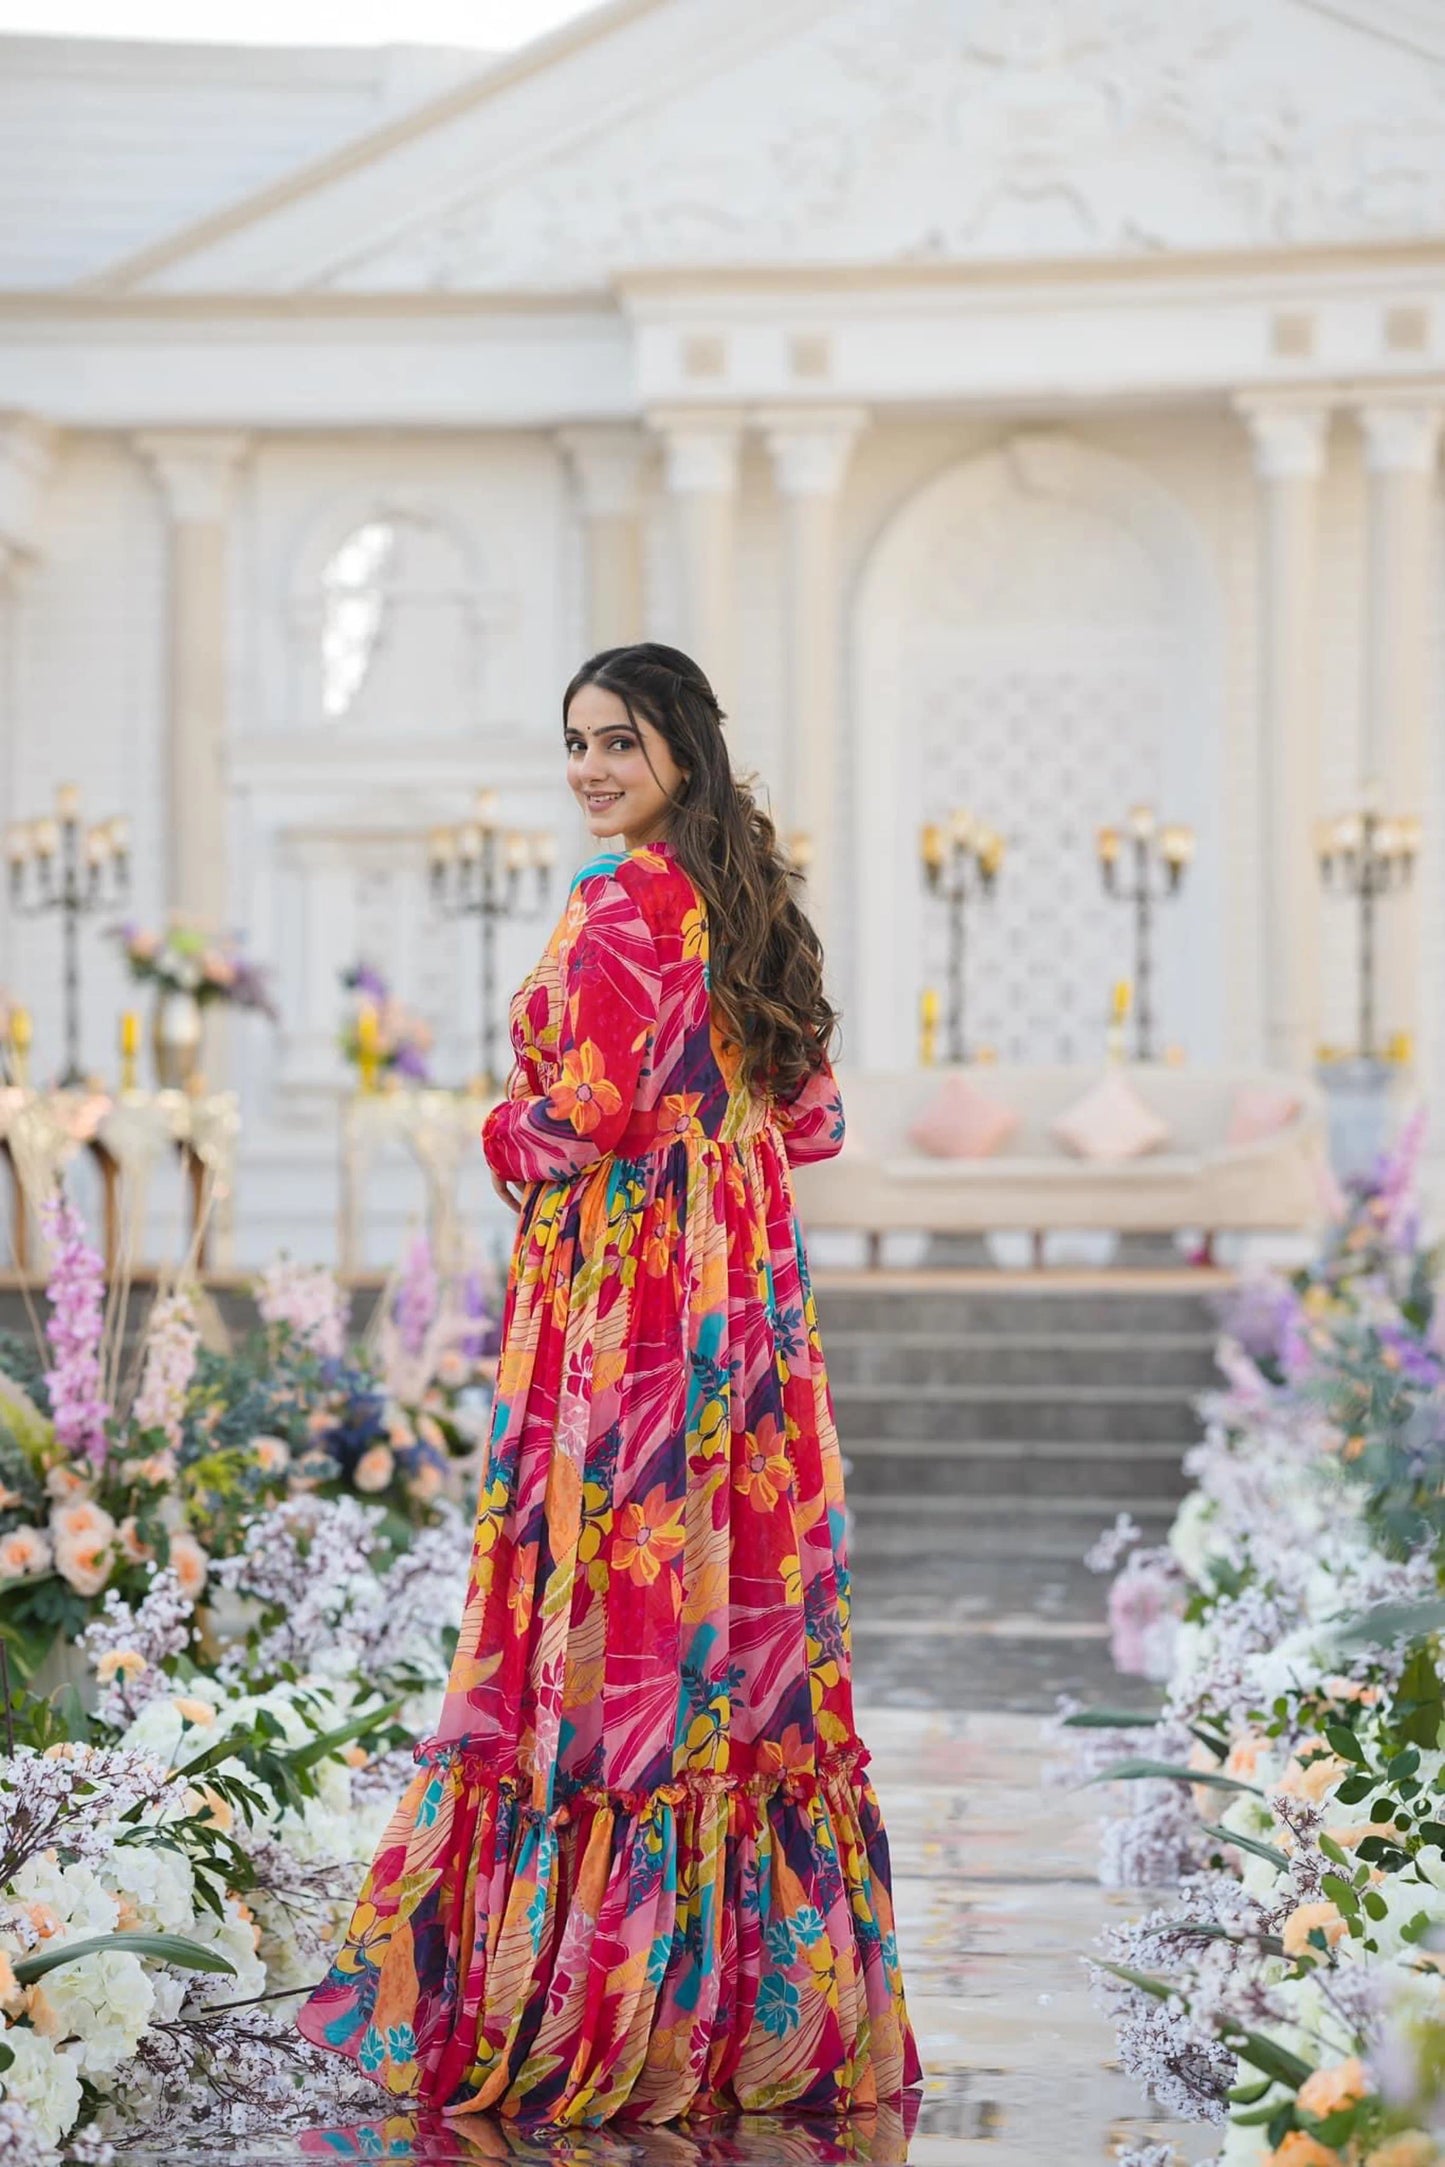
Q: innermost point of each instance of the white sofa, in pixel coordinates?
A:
(879, 1182)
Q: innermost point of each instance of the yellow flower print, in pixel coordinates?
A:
(791, 1572)
(649, 1535)
(765, 1471)
(694, 933)
(491, 1512)
(582, 1094)
(677, 1114)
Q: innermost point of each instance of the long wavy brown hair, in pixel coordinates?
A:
(765, 958)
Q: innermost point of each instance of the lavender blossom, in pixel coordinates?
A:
(76, 1292)
(416, 1297)
(154, 1632)
(307, 1301)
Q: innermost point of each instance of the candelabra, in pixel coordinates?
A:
(56, 865)
(1367, 856)
(1160, 856)
(476, 872)
(961, 860)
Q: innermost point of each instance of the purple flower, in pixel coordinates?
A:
(416, 1297)
(364, 978)
(410, 1060)
(76, 1293)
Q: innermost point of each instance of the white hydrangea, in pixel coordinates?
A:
(75, 1893)
(154, 1885)
(234, 1937)
(45, 2081)
(99, 2006)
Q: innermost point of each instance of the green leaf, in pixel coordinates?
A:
(162, 1948)
(1354, 1788)
(1252, 1844)
(304, 1757)
(1345, 1743)
(1170, 1771)
(1159, 1988)
(1404, 1764)
(1248, 2095)
(1109, 1719)
(1270, 2057)
(1336, 1852)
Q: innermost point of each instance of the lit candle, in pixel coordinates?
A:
(67, 802)
(17, 842)
(1349, 832)
(930, 844)
(1123, 995)
(1108, 845)
(990, 852)
(119, 831)
(484, 810)
(97, 846)
(45, 838)
(544, 851)
(1141, 822)
(442, 846)
(961, 826)
(1177, 843)
(469, 842)
(516, 851)
(1412, 834)
(800, 849)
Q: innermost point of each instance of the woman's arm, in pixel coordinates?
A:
(611, 992)
(812, 1123)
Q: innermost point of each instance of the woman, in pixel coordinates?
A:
(640, 1871)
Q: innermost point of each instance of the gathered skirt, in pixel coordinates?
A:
(640, 1870)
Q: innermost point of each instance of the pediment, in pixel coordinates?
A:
(699, 133)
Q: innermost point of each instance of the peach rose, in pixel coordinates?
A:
(157, 1468)
(1339, 2085)
(430, 1431)
(11, 1991)
(64, 1483)
(355, 1756)
(82, 1522)
(194, 1711)
(1412, 2148)
(1312, 1779)
(85, 1564)
(1303, 1921)
(209, 1801)
(1301, 2150)
(1244, 1757)
(43, 1918)
(119, 1662)
(190, 1562)
(375, 1468)
(273, 1454)
(426, 1482)
(24, 1552)
(131, 1545)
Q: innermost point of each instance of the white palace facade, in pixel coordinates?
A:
(1031, 405)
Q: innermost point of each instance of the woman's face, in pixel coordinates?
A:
(608, 756)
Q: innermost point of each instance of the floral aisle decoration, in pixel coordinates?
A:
(185, 959)
(1291, 1793)
(381, 1030)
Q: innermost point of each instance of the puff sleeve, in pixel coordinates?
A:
(812, 1123)
(612, 988)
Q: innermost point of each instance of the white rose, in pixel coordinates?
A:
(45, 2081)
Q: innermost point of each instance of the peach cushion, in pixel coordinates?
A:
(962, 1122)
(1110, 1121)
(1259, 1111)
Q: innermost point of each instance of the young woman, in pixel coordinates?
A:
(640, 1871)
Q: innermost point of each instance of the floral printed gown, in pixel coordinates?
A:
(640, 1870)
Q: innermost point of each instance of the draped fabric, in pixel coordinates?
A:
(640, 1868)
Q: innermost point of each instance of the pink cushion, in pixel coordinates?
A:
(1260, 1110)
(962, 1122)
(1110, 1121)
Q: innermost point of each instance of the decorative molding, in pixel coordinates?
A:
(702, 450)
(1401, 437)
(27, 460)
(608, 464)
(810, 452)
(1289, 436)
(196, 470)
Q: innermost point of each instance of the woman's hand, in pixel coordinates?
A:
(510, 1196)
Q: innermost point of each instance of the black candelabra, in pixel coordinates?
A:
(57, 864)
(1159, 856)
(1366, 856)
(961, 860)
(476, 872)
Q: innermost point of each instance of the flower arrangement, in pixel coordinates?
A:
(1293, 1786)
(379, 1029)
(184, 959)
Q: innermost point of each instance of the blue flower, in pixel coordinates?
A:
(657, 1959)
(370, 2143)
(809, 1925)
(372, 2053)
(401, 2043)
(781, 1946)
(430, 1806)
(537, 1917)
(779, 2004)
(889, 1947)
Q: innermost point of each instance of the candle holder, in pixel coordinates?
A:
(1366, 856)
(1160, 857)
(475, 871)
(961, 859)
(56, 864)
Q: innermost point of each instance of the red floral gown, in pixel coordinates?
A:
(640, 1870)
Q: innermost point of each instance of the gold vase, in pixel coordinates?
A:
(176, 1037)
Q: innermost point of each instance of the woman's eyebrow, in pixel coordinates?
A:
(599, 729)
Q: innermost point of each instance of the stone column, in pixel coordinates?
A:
(607, 465)
(27, 458)
(1289, 454)
(702, 478)
(197, 473)
(1402, 437)
(810, 454)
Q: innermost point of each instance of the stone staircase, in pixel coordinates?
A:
(992, 1432)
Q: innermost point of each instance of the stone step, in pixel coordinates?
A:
(922, 1470)
(1182, 1360)
(1024, 1309)
(887, 1529)
(1084, 1415)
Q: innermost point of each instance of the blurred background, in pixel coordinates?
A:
(1026, 410)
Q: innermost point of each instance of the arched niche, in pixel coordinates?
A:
(393, 614)
(1037, 639)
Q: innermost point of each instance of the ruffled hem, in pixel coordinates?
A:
(713, 1945)
(796, 1785)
